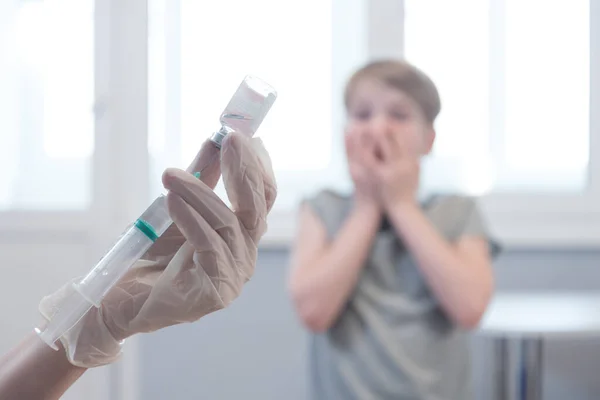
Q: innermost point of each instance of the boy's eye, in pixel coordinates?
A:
(362, 114)
(400, 115)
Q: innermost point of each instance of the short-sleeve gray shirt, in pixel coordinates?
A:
(393, 340)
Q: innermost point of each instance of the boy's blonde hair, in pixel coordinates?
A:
(402, 76)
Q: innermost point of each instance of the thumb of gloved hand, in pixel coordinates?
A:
(251, 191)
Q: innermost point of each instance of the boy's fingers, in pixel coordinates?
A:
(352, 144)
(369, 152)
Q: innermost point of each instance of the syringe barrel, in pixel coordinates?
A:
(130, 247)
(90, 290)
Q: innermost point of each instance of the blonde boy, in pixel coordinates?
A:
(388, 284)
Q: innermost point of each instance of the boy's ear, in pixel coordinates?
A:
(429, 140)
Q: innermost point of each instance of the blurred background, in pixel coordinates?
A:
(97, 97)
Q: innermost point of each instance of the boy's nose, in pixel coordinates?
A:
(380, 125)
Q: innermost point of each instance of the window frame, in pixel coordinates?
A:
(118, 181)
(369, 29)
(546, 220)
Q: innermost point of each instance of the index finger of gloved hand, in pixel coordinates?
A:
(208, 163)
(249, 181)
(198, 232)
(211, 248)
(206, 203)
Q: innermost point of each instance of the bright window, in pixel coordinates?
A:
(46, 119)
(199, 67)
(514, 78)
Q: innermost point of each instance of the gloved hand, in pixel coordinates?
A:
(198, 266)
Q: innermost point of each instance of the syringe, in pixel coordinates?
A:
(245, 112)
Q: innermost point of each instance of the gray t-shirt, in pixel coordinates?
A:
(393, 340)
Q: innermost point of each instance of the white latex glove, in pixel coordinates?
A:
(198, 266)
